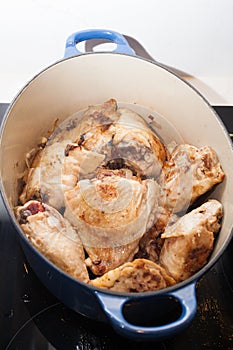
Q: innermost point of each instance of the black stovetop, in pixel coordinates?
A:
(31, 318)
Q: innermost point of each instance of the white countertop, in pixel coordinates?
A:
(193, 37)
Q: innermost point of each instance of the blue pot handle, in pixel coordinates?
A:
(75, 38)
(113, 308)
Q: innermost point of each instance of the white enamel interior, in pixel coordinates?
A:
(71, 85)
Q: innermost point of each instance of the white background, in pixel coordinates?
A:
(194, 37)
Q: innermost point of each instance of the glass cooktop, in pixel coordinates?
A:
(31, 318)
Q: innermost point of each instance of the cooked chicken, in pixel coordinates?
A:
(136, 143)
(101, 260)
(111, 210)
(106, 132)
(122, 133)
(98, 139)
(119, 188)
(91, 129)
(78, 164)
(54, 237)
(84, 123)
(97, 127)
(43, 181)
(150, 244)
(189, 242)
(164, 218)
(140, 275)
(99, 115)
(189, 173)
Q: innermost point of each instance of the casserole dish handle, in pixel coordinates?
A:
(122, 45)
(113, 307)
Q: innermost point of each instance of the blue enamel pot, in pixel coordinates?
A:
(70, 85)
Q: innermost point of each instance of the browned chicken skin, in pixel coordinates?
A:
(187, 174)
(140, 275)
(189, 242)
(111, 212)
(121, 193)
(102, 260)
(54, 237)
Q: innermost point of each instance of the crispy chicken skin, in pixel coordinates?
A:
(140, 275)
(54, 237)
(189, 242)
(187, 174)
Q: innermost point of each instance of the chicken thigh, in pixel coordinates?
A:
(189, 242)
(111, 212)
(103, 199)
(54, 237)
(140, 275)
(135, 142)
(43, 181)
(187, 174)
